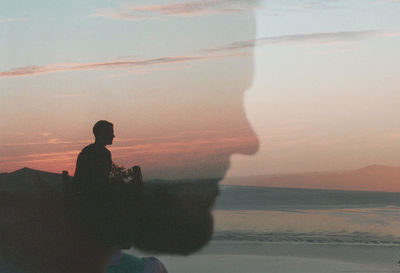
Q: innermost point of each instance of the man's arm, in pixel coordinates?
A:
(83, 170)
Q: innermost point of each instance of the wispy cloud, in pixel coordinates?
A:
(394, 135)
(391, 33)
(316, 38)
(13, 20)
(52, 68)
(212, 53)
(186, 9)
(45, 134)
(51, 141)
(281, 7)
(336, 50)
(63, 96)
(322, 4)
(40, 160)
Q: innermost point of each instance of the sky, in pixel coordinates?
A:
(202, 88)
(326, 90)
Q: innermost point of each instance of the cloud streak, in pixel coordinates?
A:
(52, 68)
(13, 20)
(218, 52)
(316, 38)
(186, 9)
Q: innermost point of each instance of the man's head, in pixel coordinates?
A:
(103, 132)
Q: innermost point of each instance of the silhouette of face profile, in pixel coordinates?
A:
(104, 132)
(186, 115)
(187, 120)
(106, 136)
(179, 115)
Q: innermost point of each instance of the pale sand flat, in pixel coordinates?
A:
(245, 257)
(263, 264)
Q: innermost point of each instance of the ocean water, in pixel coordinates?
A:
(259, 230)
(256, 214)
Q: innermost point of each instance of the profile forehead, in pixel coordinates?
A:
(175, 28)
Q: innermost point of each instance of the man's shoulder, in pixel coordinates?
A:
(93, 149)
(89, 149)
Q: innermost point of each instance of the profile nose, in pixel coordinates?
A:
(251, 143)
(248, 138)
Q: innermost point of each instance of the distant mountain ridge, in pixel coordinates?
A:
(369, 178)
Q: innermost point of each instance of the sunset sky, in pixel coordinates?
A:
(322, 80)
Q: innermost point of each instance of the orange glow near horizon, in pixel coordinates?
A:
(150, 155)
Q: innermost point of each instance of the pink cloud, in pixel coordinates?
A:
(391, 33)
(63, 67)
(47, 142)
(45, 134)
(187, 9)
(12, 20)
(394, 135)
(336, 50)
(40, 157)
(63, 96)
(161, 152)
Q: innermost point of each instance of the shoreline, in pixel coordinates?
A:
(258, 257)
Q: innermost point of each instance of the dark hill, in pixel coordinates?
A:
(29, 181)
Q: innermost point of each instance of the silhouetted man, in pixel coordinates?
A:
(94, 204)
(94, 163)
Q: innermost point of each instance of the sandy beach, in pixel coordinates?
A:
(258, 230)
(249, 257)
